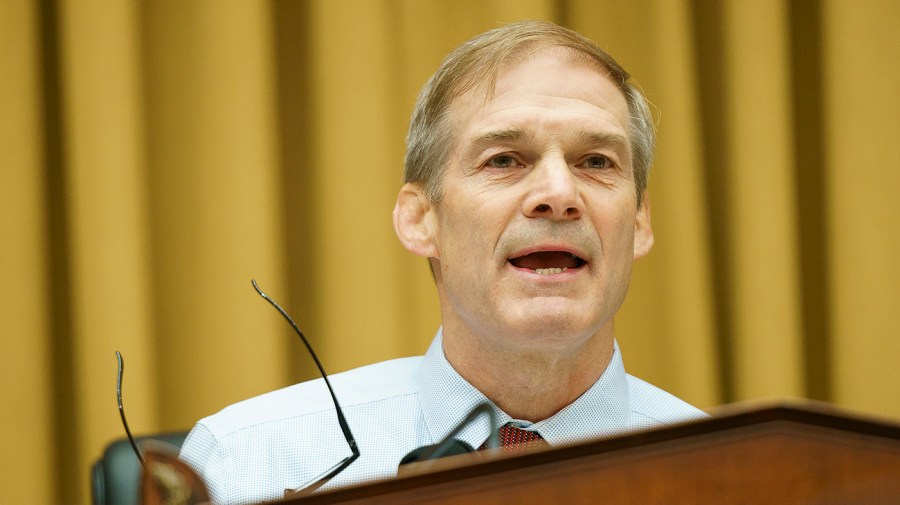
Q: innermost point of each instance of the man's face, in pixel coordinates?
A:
(538, 225)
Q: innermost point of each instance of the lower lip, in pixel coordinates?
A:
(561, 276)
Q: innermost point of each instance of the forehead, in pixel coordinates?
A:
(535, 88)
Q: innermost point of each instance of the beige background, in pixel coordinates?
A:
(157, 155)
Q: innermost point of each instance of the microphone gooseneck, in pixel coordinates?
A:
(451, 446)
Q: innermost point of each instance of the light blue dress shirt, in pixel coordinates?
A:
(252, 451)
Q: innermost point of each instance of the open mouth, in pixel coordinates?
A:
(548, 262)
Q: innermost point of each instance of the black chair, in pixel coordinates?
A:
(115, 478)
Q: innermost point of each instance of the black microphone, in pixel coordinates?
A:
(450, 446)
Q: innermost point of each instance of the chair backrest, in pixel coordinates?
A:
(115, 477)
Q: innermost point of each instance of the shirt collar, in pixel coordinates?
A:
(447, 398)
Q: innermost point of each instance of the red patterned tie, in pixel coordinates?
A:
(515, 440)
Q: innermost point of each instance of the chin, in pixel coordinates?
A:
(555, 326)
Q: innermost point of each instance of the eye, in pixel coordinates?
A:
(502, 161)
(597, 161)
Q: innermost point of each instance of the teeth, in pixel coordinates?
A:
(549, 271)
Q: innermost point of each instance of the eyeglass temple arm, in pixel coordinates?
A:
(323, 478)
(134, 446)
(342, 421)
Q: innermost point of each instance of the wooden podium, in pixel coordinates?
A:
(775, 454)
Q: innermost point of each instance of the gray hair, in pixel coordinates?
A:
(475, 65)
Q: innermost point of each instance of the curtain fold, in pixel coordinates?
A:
(758, 197)
(26, 374)
(861, 166)
(156, 156)
(213, 172)
(105, 222)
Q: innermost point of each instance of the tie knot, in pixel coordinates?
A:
(510, 435)
(515, 440)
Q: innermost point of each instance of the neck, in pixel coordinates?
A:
(530, 384)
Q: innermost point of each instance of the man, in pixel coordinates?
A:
(526, 171)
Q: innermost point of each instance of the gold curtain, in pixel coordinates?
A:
(156, 156)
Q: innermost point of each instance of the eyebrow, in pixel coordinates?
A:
(505, 135)
(612, 140)
(588, 137)
(584, 137)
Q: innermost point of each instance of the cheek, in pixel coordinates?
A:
(615, 226)
(479, 222)
(464, 242)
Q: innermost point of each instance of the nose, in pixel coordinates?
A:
(553, 192)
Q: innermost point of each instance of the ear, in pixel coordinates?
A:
(414, 221)
(643, 232)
